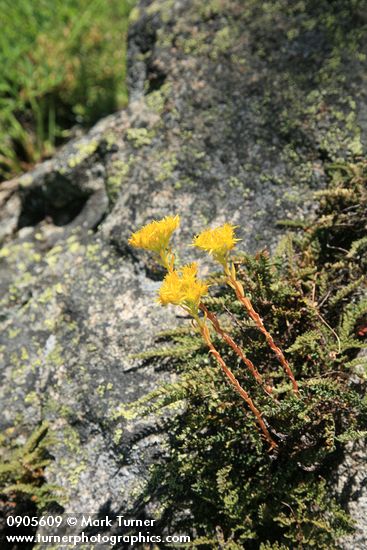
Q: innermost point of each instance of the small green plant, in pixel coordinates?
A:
(22, 468)
(215, 480)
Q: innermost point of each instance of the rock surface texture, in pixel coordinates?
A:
(235, 107)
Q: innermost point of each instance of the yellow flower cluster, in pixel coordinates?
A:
(155, 236)
(183, 288)
(218, 241)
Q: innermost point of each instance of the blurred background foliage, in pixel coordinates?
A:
(62, 64)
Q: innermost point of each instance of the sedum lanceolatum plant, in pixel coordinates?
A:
(215, 480)
(182, 287)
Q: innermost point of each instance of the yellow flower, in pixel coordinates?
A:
(171, 289)
(218, 241)
(183, 288)
(155, 236)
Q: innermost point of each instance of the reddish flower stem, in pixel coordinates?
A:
(213, 319)
(235, 384)
(238, 288)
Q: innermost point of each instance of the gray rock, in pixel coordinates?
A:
(352, 488)
(234, 111)
(351, 478)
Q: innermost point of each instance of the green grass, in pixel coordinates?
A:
(62, 63)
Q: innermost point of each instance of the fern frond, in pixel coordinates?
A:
(357, 247)
(352, 313)
(346, 290)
